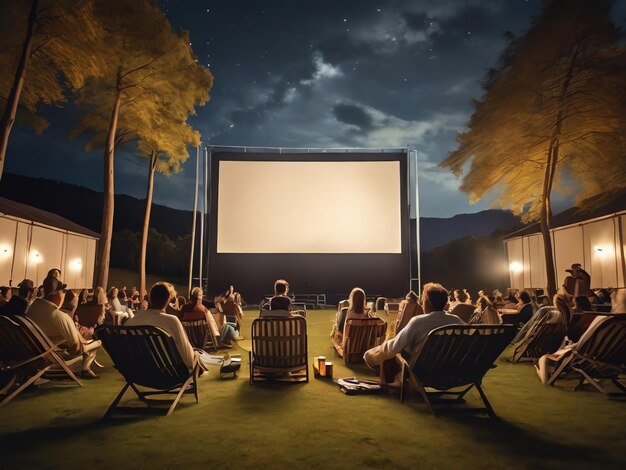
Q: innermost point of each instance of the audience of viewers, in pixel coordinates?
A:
(412, 337)
(59, 326)
(5, 295)
(160, 296)
(460, 297)
(195, 310)
(357, 310)
(409, 308)
(18, 304)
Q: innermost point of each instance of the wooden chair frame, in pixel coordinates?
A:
(25, 349)
(279, 349)
(542, 338)
(359, 335)
(452, 357)
(147, 357)
(602, 357)
(200, 334)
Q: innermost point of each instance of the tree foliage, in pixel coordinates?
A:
(139, 95)
(560, 87)
(46, 49)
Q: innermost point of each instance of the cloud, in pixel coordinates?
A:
(353, 115)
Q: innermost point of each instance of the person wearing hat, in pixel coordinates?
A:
(578, 283)
(19, 303)
(60, 327)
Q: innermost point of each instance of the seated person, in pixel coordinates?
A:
(410, 340)
(60, 327)
(160, 296)
(195, 310)
(232, 310)
(116, 308)
(19, 303)
(356, 310)
(485, 312)
(460, 297)
(5, 295)
(83, 297)
(524, 306)
(281, 299)
(409, 308)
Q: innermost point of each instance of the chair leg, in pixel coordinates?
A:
(195, 382)
(555, 375)
(178, 395)
(23, 386)
(119, 396)
(59, 360)
(251, 368)
(422, 391)
(401, 382)
(490, 411)
(9, 384)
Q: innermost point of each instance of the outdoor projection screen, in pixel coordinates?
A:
(325, 221)
(308, 207)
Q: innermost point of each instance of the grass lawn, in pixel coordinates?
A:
(314, 425)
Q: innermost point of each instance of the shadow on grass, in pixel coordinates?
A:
(525, 445)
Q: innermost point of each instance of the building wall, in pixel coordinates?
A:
(598, 245)
(30, 251)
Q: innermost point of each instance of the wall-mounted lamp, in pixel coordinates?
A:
(76, 265)
(515, 267)
(35, 257)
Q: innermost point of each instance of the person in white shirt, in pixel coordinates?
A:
(160, 296)
(60, 327)
(117, 309)
(412, 337)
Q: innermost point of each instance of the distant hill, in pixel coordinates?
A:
(84, 206)
(436, 232)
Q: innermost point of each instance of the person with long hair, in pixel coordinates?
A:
(357, 310)
(195, 310)
(116, 308)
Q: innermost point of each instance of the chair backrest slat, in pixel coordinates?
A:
(20, 341)
(144, 355)
(197, 332)
(359, 335)
(608, 343)
(458, 355)
(279, 343)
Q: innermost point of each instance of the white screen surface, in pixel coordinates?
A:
(309, 207)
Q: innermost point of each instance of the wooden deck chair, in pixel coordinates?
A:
(359, 336)
(279, 349)
(455, 356)
(26, 354)
(229, 308)
(464, 311)
(200, 335)
(147, 357)
(601, 357)
(543, 337)
(579, 324)
(89, 315)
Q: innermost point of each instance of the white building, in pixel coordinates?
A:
(595, 239)
(33, 241)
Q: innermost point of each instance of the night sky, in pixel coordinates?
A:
(317, 74)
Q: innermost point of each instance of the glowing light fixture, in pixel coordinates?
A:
(602, 251)
(35, 257)
(76, 265)
(515, 267)
(5, 251)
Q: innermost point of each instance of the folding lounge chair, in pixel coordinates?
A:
(455, 356)
(279, 349)
(26, 354)
(601, 357)
(464, 311)
(541, 338)
(200, 335)
(359, 336)
(147, 357)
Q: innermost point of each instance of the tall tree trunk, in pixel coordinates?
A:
(13, 100)
(546, 215)
(104, 247)
(146, 222)
(553, 158)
